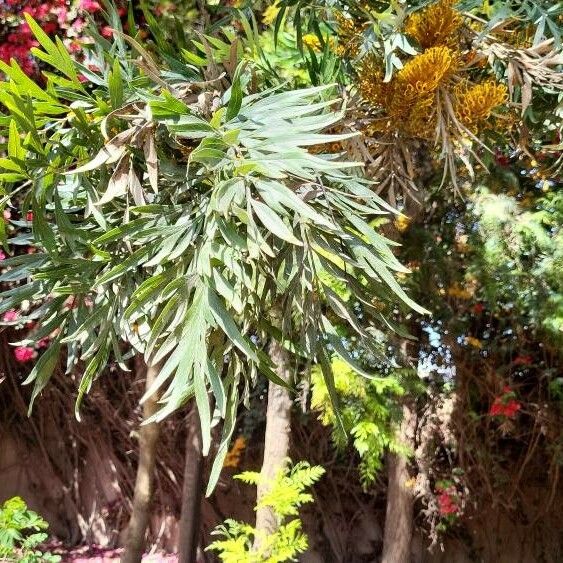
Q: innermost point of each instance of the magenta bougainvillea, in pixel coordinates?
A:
(57, 17)
(24, 354)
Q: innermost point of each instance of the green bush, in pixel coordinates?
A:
(21, 532)
(286, 495)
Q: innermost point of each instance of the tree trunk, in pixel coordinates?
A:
(400, 498)
(148, 437)
(276, 440)
(191, 491)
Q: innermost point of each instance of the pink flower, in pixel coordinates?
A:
(74, 47)
(89, 5)
(78, 24)
(107, 31)
(24, 354)
(10, 316)
(2, 255)
(63, 12)
(43, 343)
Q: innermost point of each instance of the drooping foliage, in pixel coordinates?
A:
(173, 212)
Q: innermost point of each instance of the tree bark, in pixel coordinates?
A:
(191, 491)
(276, 440)
(397, 536)
(148, 438)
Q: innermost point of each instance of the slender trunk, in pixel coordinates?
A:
(276, 440)
(400, 499)
(191, 491)
(148, 437)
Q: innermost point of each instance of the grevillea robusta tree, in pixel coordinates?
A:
(443, 91)
(178, 213)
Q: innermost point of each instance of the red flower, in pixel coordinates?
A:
(506, 404)
(522, 361)
(43, 343)
(71, 302)
(50, 27)
(447, 504)
(24, 354)
(10, 316)
(511, 408)
(501, 159)
(29, 216)
(478, 308)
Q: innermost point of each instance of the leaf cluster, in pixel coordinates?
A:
(21, 532)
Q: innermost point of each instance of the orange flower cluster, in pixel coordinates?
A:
(232, 459)
(425, 72)
(474, 104)
(408, 99)
(438, 24)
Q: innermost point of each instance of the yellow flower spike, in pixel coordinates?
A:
(312, 41)
(270, 13)
(402, 223)
(436, 25)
